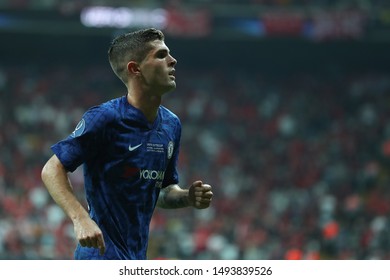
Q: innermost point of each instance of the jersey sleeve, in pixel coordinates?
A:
(171, 174)
(84, 142)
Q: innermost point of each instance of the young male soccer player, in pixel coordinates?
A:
(129, 148)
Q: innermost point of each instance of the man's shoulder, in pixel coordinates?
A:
(103, 113)
(111, 107)
(170, 120)
(168, 114)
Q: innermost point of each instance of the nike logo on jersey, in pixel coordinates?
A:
(134, 148)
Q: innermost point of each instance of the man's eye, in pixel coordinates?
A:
(161, 55)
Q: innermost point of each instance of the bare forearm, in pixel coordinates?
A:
(173, 197)
(198, 195)
(56, 180)
(57, 183)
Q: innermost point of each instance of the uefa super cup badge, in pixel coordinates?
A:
(79, 129)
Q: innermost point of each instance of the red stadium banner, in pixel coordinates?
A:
(188, 23)
(283, 23)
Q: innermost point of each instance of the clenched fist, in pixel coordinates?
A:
(200, 195)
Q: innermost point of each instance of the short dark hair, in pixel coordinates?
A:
(131, 46)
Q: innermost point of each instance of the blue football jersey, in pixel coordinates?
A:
(126, 162)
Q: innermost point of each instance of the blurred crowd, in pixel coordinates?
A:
(299, 163)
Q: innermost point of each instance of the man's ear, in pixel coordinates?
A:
(133, 68)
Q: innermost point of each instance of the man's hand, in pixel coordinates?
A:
(89, 234)
(200, 195)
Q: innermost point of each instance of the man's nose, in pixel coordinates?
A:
(173, 61)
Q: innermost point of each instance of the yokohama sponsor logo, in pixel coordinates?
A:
(151, 174)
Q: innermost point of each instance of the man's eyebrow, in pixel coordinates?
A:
(162, 50)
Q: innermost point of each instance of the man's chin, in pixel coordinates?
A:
(171, 87)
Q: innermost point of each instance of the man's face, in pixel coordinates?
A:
(158, 69)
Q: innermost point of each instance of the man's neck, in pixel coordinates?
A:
(148, 105)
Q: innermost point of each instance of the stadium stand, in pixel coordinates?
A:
(295, 144)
